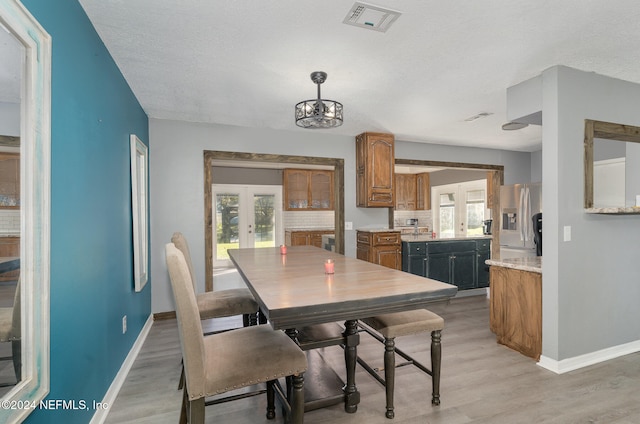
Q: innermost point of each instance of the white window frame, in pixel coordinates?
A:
(460, 201)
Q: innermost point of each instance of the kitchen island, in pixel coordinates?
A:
(516, 304)
(459, 261)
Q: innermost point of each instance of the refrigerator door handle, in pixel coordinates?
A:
(527, 215)
(521, 222)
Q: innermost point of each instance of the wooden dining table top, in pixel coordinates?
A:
(293, 289)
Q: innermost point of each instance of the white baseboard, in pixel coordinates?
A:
(581, 361)
(101, 414)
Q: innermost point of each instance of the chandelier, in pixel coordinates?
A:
(319, 113)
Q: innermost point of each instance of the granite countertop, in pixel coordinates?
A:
(9, 234)
(427, 237)
(309, 229)
(378, 230)
(623, 210)
(531, 264)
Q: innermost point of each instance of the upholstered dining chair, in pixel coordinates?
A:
(10, 320)
(219, 303)
(222, 362)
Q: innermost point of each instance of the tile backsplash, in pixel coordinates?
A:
(424, 218)
(9, 220)
(308, 219)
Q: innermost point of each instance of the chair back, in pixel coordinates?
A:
(189, 325)
(181, 243)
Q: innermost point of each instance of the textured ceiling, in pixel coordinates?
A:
(248, 62)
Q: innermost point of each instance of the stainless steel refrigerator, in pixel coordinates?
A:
(518, 204)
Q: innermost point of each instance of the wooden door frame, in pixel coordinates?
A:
(495, 178)
(214, 155)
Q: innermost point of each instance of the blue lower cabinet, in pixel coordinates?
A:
(458, 262)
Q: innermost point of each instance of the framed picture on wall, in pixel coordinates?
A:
(140, 210)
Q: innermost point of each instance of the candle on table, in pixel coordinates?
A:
(283, 249)
(328, 266)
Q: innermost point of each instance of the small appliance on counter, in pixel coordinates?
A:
(486, 227)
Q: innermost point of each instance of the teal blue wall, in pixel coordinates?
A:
(93, 111)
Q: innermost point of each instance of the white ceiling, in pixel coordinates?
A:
(248, 62)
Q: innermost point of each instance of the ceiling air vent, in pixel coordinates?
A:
(368, 16)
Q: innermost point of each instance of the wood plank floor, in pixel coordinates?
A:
(482, 382)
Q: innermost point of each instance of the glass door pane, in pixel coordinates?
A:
(264, 218)
(226, 210)
(447, 214)
(475, 212)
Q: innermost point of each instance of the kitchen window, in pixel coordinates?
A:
(459, 209)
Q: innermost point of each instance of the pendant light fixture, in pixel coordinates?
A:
(319, 113)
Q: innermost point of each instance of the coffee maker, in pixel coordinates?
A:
(486, 227)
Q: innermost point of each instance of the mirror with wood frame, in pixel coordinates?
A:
(611, 168)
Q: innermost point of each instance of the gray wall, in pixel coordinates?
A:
(176, 175)
(591, 289)
(251, 176)
(452, 176)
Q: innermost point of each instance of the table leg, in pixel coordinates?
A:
(352, 339)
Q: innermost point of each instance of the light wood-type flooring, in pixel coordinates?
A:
(482, 382)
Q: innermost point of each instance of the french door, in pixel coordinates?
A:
(245, 216)
(459, 209)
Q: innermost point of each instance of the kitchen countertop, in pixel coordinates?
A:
(378, 230)
(531, 264)
(427, 237)
(309, 229)
(12, 234)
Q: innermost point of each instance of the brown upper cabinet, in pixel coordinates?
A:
(375, 170)
(307, 189)
(413, 192)
(9, 181)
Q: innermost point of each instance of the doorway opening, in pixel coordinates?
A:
(254, 160)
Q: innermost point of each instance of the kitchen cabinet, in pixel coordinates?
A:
(305, 237)
(375, 163)
(405, 192)
(455, 262)
(423, 192)
(483, 252)
(412, 192)
(9, 181)
(380, 247)
(10, 247)
(307, 189)
(515, 313)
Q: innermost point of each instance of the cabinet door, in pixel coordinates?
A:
(417, 265)
(423, 192)
(405, 192)
(300, 238)
(296, 189)
(363, 251)
(463, 267)
(375, 163)
(321, 190)
(388, 256)
(315, 239)
(438, 267)
(9, 181)
(482, 269)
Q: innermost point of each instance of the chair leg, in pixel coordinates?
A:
(196, 411)
(389, 373)
(297, 399)
(271, 401)
(16, 348)
(183, 408)
(436, 361)
(181, 382)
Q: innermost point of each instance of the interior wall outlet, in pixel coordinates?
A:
(124, 324)
(348, 225)
(567, 233)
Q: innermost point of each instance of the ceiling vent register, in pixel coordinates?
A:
(368, 16)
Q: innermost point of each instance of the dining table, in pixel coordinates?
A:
(294, 290)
